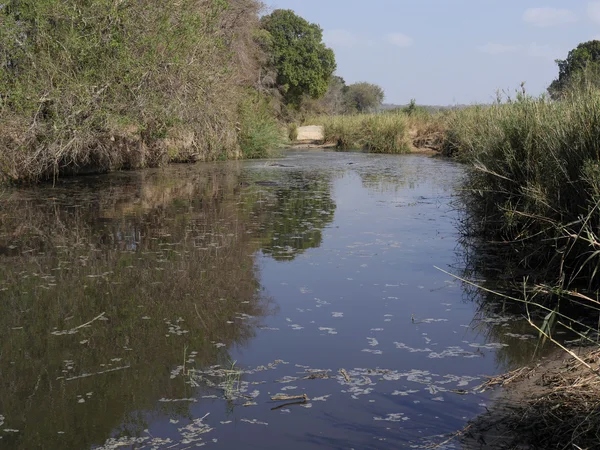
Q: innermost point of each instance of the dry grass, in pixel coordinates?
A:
(388, 132)
(552, 406)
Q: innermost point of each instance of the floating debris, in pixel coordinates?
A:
(254, 422)
(375, 352)
(345, 375)
(329, 330)
(373, 342)
(394, 417)
(403, 346)
(283, 397)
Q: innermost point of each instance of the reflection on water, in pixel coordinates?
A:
(164, 309)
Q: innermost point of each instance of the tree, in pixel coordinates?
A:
(365, 97)
(303, 63)
(582, 62)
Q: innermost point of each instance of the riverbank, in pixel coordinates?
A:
(112, 88)
(554, 404)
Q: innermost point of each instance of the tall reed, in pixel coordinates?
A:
(535, 180)
(377, 133)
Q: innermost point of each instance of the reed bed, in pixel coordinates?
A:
(534, 187)
(376, 133)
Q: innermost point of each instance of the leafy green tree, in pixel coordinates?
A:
(582, 64)
(303, 63)
(365, 97)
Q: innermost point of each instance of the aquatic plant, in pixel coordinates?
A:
(231, 382)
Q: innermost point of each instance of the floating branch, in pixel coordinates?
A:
(281, 398)
(345, 375)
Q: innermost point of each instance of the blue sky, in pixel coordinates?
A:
(450, 51)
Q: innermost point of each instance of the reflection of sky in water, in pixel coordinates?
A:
(340, 248)
(351, 303)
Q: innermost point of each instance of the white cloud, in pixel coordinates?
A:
(400, 39)
(549, 17)
(593, 11)
(493, 48)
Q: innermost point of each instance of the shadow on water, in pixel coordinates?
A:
(496, 280)
(161, 267)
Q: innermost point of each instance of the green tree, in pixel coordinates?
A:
(582, 64)
(303, 63)
(365, 97)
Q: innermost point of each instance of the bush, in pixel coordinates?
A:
(104, 85)
(292, 132)
(259, 131)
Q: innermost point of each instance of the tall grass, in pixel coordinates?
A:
(376, 133)
(535, 181)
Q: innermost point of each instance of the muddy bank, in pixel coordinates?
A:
(553, 404)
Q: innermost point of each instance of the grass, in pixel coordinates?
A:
(376, 133)
(534, 186)
(392, 132)
(532, 197)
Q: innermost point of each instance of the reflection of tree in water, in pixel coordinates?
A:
(168, 263)
(294, 214)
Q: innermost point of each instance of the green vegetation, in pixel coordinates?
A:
(105, 85)
(341, 99)
(582, 63)
(303, 63)
(535, 183)
(532, 229)
(377, 133)
(259, 130)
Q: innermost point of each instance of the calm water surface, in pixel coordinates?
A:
(165, 308)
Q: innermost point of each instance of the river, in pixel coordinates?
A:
(166, 308)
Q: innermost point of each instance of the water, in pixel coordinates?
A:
(164, 308)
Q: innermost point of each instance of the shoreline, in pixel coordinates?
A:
(317, 145)
(553, 404)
